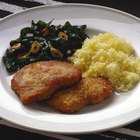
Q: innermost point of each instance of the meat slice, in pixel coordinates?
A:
(87, 91)
(40, 80)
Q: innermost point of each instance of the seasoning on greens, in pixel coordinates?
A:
(42, 42)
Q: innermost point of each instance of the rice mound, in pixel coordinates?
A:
(109, 56)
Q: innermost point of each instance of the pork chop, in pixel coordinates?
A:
(87, 91)
(40, 80)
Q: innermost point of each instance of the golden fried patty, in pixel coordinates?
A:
(87, 91)
(40, 80)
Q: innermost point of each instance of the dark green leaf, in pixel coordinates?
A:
(41, 24)
(24, 31)
(13, 42)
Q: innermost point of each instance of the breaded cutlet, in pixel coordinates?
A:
(87, 91)
(40, 80)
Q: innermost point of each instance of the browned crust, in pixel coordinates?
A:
(40, 80)
(87, 91)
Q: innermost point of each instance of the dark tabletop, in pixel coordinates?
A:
(129, 132)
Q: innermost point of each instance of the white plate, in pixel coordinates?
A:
(114, 112)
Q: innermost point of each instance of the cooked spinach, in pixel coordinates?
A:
(42, 42)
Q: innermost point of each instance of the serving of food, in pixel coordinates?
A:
(70, 72)
(109, 56)
(43, 42)
(62, 65)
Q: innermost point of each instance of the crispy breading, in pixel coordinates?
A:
(40, 80)
(87, 91)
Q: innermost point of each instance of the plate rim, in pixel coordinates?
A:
(71, 4)
(60, 5)
(28, 127)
